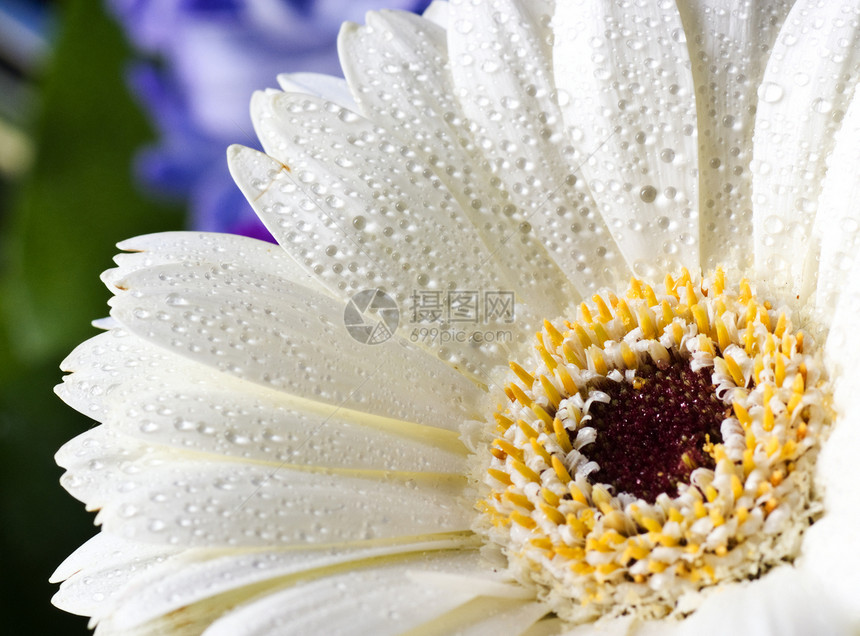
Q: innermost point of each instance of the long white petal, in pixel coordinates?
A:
(782, 603)
(837, 225)
(728, 46)
(398, 65)
(95, 574)
(99, 456)
(226, 250)
(332, 89)
(358, 234)
(375, 602)
(486, 616)
(192, 578)
(629, 107)
(165, 399)
(272, 332)
(501, 62)
(175, 498)
(842, 347)
(807, 86)
(832, 563)
(437, 13)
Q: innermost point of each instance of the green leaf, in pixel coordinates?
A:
(79, 200)
(70, 211)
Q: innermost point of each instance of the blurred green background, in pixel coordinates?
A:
(60, 218)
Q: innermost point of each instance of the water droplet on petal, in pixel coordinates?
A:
(773, 225)
(648, 194)
(770, 92)
(822, 105)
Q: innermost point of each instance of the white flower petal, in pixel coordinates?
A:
(216, 503)
(837, 223)
(351, 187)
(164, 399)
(192, 578)
(629, 107)
(356, 188)
(331, 89)
(832, 562)
(782, 603)
(360, 602)
(202, 247)
(551, 626)
(272, 332)
(398, 65)
(728, 83)
(842, 347)
(621, 626)
(177, 498)
(486, 616)
(837, 468)
(190, 620)
(97, 457)
(345, 235)
(501, 66)
(97, 572)
(808, 82)
(352, 169)
(437, 13)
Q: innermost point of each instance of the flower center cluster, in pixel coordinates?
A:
(653, 431)
(661, 442)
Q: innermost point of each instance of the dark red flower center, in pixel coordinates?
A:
(651, 435)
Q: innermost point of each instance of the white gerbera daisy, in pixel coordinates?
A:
(666, 194)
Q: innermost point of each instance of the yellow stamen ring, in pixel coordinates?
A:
(594, 551)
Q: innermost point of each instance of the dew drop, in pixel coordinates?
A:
(667, 155)
(359, 223)
(237, 438)
(464, 26)
(770, 92)
(648, 194)
(176, 300)
(679, 36)
(822, 105)
(849, 225)
(773, 225)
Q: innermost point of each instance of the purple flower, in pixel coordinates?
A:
(209, 57)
